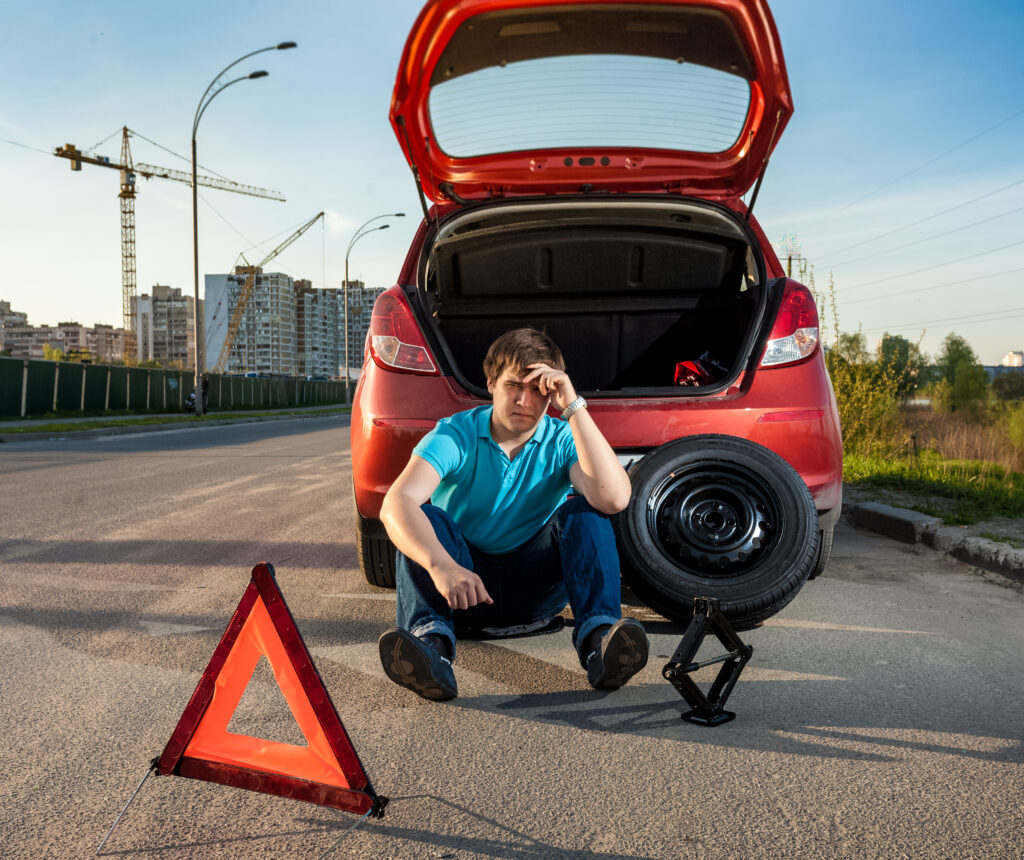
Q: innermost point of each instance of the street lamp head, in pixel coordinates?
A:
(285, 45)
(383, 226)
(399, 215)
(260, 74)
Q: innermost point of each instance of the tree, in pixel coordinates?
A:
(900, 362)
(970, 389)
(52, 353)
(954, 350)
(963, 382)
(1009, 385)
(852, 347)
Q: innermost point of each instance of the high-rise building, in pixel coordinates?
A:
(165, 326)
(1013, 359)
(360, 308)
(319, 329)
(267, 340)
(288, 326)
(105, 342)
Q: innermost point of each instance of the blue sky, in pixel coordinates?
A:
(903, 111)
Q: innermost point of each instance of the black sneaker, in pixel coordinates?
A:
(413, 663)
(621, 653)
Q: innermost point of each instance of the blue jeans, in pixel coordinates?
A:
(572, 559)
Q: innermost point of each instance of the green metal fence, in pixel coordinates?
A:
(30, 387)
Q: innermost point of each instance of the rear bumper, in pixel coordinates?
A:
(791, 411)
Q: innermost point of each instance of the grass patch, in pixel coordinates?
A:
(1016, 544)
(58, 426)
(961, 492)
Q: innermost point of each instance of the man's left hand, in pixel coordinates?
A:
(553, 382)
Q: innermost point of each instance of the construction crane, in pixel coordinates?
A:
(129, 172)
(246, 292)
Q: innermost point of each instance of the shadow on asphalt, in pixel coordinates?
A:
(803, 718)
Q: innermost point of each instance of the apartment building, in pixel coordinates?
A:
(319, 327)
(105, 343)
(165, 326)
(99, 343)
(1013, 359)
(267, 337)
(360, 308)
(9, 317)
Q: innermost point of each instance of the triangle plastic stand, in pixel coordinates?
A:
(327, 771)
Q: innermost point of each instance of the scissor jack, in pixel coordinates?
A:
(707, 710)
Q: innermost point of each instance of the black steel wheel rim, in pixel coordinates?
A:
(716, 519)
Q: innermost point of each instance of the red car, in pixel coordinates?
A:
(586, 163)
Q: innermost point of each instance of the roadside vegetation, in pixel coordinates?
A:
(931, 435)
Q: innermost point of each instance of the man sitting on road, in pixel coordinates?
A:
(501, 546)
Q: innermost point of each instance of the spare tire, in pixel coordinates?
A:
(721, 517)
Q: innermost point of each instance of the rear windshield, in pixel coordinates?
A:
(590, 100)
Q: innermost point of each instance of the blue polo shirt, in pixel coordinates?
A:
(498, 503)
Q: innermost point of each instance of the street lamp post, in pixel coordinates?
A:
(362, 231)
(211, 91)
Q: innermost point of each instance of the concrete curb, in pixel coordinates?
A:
(147, 428)
(914, 527)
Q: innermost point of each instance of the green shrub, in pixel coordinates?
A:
(869, 405)
(1015, 426)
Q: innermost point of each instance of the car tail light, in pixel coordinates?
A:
(395, 341)
(795, 333)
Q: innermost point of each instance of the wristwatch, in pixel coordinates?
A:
(572, 408)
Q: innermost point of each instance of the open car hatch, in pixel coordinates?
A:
(510, 97)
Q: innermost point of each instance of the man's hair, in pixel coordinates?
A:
(518, 349)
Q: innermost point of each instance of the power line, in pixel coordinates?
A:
(936, 266)
(986, 316)
(176, 155)
(935, 287)
(251, 243)
(927, 238)
(915, 170)
(888, 233)
(96, 146)
(26, 146)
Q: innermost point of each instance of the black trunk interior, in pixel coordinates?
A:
(625, 303)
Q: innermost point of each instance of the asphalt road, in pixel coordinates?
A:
(881, 714)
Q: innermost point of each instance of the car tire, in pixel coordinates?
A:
(825, 538)
(720, 517)
(376, 553)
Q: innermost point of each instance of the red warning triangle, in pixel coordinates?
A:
(326, 771)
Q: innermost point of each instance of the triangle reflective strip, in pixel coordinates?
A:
(212, 740)
(327, 771)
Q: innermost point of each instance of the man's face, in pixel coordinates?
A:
(518, 407)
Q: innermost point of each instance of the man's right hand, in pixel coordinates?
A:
(460, 587)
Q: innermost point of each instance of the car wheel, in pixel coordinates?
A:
(720, 517)
(825, 538)
(376, 553)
